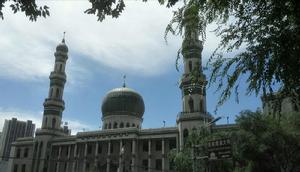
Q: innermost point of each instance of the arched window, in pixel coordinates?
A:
(109, 126)
(46, 121)
(53, 122)
(115, 125)
(127, 124)
(60, 67)
(57, 92)
(122, 125)
(133, 125)
(51, 92)
(201, 105)
(190, 66)
(191, 104)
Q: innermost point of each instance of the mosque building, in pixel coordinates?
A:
(122, 144)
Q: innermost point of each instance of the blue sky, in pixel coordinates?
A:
(100, 53)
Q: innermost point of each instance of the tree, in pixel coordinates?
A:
(259, 143)
(262, 138)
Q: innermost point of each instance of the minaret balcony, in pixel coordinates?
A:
(196, 115)
(58, 75)
(54, 102)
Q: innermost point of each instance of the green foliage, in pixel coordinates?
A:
(29, 7)
(262, 139)
(259, 143)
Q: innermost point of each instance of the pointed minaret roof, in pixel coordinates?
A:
(62, 46)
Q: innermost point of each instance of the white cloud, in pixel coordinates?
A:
(132, 43)
(36, 118)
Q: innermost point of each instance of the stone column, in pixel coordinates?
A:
(68, 161)
(149, 156)
(133, 157)
(75, 158)
(59, 158)
(96, 155)
(163, 152)
(85, 154)
(108, 157)
(121, 155)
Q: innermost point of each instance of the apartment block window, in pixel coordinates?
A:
(145, 146)
(158, 145)
(158, 164)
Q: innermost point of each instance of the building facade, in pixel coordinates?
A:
(12, 130)
(122, 144)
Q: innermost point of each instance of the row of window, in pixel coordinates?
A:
(191, 105)
(16, 167)
(158, 164)
(53, 124)
(121, 125)
(158, 147)
(25, 153)
(57, 93)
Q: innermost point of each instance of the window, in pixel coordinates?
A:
(133, 125)
(127, 125)
(158, 164)
(99, 148)
(137, 126)
(60, 67)
(57, 92)
(65, 167)
(158, 145)
(190, 66)
(109, 126)
(16, 168)
(172, 144)
(26, 153)
(115, 125)
(53, 122)
(145, 164)
(111, 148)
(145, 146)
(87, 167)
(18, 153)
(51, 92)
(191, 105)
(46, 121)
(122, 125)
(201, 105)
(185, 134)
(89, 149)
(171, 165)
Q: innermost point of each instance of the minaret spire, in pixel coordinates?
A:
(64, 35)
(124, 81)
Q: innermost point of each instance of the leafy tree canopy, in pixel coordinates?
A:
(258, 139)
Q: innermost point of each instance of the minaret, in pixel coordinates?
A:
(193, 81)
(54, 104)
